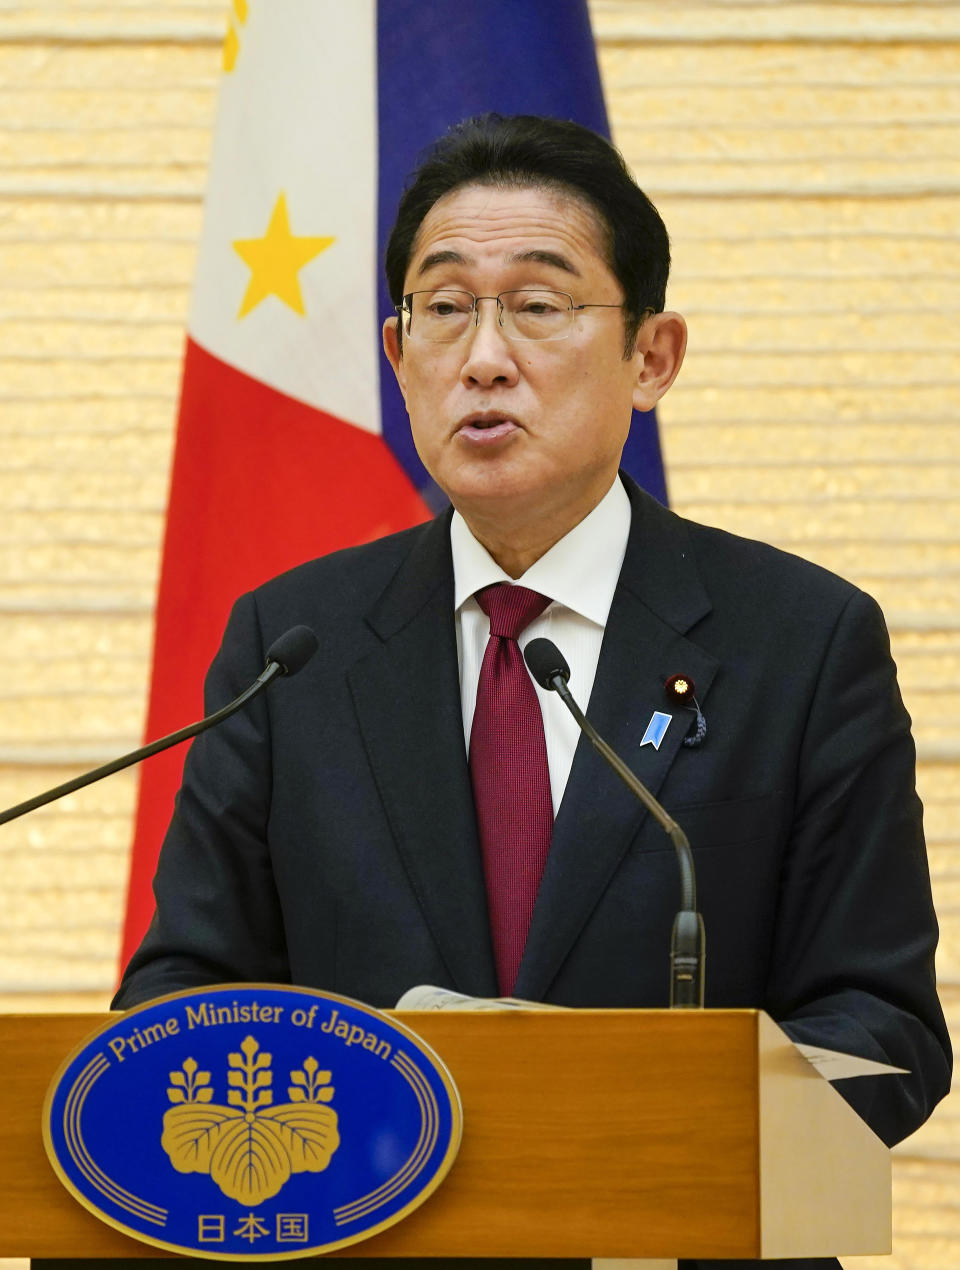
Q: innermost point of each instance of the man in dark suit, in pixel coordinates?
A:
(340, 832)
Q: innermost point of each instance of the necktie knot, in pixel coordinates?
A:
(510, 609)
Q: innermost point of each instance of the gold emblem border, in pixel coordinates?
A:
(73, 1136)
(413, 1166)
(417, 1161)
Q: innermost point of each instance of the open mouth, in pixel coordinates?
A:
(487, 428)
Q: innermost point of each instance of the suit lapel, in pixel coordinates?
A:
(658, 599)
(407, 698)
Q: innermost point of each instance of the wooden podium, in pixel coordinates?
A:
(587, 1133)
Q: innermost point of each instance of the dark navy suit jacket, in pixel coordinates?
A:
(326, 836)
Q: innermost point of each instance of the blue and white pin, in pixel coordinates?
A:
(681, 691)
(656, 729)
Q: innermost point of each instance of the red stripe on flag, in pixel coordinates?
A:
(260, 482)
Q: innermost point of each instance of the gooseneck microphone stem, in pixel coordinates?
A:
(285, 657)
(145, 751)
(549, 668)
(688, 882)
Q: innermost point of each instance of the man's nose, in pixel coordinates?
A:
(489, 355)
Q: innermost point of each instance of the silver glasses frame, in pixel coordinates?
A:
(405, 309)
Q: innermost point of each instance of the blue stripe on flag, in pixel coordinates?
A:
(439, 64)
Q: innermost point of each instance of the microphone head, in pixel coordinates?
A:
(546, 663)
(293, 649)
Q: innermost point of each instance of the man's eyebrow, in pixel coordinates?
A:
(539, 256)
(448, 257)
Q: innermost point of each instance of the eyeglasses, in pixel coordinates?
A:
(441, 317)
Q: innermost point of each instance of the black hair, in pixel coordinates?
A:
(521, 150)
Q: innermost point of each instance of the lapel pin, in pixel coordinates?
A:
(681, 690)
(656, 729)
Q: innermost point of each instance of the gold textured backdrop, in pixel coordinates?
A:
(806, 157)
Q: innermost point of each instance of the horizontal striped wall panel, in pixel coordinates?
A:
(805, 157)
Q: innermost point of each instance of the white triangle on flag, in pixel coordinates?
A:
(297, 119)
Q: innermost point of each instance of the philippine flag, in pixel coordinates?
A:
(292, 438)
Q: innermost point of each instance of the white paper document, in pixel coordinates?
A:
(831, 1064)
(426, 997)
(836, 1066)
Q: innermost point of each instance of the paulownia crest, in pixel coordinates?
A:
(249, 1147)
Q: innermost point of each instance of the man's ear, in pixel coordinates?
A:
(391, 346)
(661, 344)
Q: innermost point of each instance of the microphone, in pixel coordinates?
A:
(688, 941)
(292, 650)
(285, 656)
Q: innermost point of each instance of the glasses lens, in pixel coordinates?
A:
(440, 316)
(537, 315)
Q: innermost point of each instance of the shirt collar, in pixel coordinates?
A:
(580, 571)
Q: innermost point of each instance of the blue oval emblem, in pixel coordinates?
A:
(253, 1121)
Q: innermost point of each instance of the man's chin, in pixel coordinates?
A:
(493, 485)
(513, 503)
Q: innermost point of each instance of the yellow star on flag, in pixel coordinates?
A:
(275, 261)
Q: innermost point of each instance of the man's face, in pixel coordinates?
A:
(504, 425)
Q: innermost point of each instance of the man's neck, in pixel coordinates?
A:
(516, 545)
(512, 560)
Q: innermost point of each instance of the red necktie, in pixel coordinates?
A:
(511, 780)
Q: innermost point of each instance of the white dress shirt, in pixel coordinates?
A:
(580, 575)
